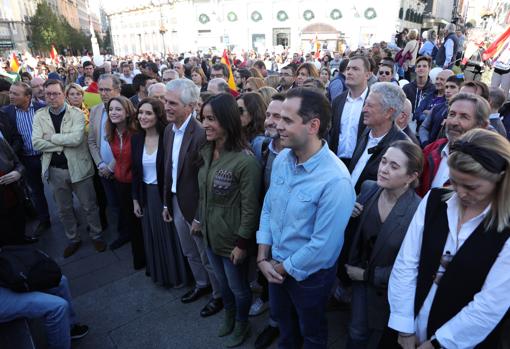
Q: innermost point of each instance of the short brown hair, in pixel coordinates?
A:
(50, 82)
(425, 58)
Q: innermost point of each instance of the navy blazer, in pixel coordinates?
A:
(14, 137)
(137, 145)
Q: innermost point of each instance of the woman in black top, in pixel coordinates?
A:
(385, 208)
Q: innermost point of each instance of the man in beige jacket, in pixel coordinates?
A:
(59, 133)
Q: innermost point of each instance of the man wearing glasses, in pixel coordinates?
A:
(385, 73)
(59, 133)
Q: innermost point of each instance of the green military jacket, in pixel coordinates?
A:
(229, 206)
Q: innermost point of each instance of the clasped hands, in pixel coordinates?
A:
(273, 271)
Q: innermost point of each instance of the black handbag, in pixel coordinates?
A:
(26, 269)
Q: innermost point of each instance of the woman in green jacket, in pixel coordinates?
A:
(229, 181)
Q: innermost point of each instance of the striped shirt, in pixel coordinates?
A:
(24, 122)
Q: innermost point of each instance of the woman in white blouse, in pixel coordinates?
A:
(165, 261)
(450, 285)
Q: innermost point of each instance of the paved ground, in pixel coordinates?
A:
(125, 309)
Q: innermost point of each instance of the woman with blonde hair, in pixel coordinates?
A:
(74, 95)
(253, 84)
(199, 78)
(267, 92)
(412, 47)
(450, 286)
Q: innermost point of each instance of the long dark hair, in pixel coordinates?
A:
(130, 115)
(159, 110)
(256, 107)
(224, 108)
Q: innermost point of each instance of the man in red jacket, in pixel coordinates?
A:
(467, 111)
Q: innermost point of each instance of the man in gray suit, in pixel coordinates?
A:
(109, 87)
(183, 138)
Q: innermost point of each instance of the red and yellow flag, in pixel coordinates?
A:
(317, 47)
(14, 63)
(53, 54)
(226, 61)
(497, 46)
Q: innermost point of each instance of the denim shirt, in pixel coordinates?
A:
(306, 211)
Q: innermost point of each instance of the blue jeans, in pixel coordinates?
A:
(112, 199)
(360, 336)
(300, 309)
(54, 305)
(234, 285)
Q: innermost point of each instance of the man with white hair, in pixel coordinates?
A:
(383, 105)
(157, 91)
(169, 75)
(403, 120)
(217, 86)
(445, 57)
(183, 138)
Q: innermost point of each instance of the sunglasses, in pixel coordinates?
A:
(384, 72)
(444, 261)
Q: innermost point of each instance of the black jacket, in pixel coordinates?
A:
(137, 145)
(372, 165)
(337, 110)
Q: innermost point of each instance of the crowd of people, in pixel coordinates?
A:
(304, 183)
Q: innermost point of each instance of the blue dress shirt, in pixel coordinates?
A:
(306, 210)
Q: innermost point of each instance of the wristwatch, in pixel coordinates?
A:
(435, 343)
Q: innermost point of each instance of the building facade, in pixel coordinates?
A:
(14, 24)
(188, 25)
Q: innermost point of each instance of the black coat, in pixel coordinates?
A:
(372, 165)
(137, 145)
(336, 120)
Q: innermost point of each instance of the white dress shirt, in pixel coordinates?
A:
(477, 319)
(349, 124)
(176, 149)
(360, 165)
(443, 172)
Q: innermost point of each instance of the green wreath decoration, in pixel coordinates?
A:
(282, 16)
(256, 16)
(308, 15)
(203, 18)
(370, 13)
(335, 14)
(231, 16)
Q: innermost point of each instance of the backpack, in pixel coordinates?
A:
(26, 269)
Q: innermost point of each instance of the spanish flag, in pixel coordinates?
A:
(53, 54)
(14, 64)
(497, 46)
(226, 61)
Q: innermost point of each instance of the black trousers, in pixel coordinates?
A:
(133, 224)
(12, 223)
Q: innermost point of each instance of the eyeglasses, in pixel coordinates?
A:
(241, 110)
(52, 94)
(215, 76)
(384, 72)
(285, 75)
(105, 90)
(248, 90)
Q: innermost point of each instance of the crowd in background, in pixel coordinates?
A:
(373, 181)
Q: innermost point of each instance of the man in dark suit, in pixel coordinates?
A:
(383, 105)
(20, 114)
(183, 138)
(347, 124)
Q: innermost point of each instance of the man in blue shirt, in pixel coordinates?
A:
(303, 219)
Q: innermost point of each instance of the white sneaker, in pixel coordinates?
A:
(258, 307)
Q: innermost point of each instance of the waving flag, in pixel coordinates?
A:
(226, 61)
(14, 63)
(53, 54)
(497, 46)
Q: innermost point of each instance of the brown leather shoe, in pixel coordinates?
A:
(71, 249)
(99, 245)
